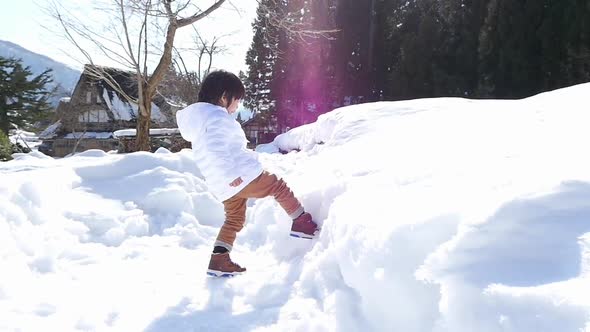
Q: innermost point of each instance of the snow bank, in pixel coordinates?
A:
(446, 214)
(87, 223)
(437, 215)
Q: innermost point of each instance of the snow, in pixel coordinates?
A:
(267, 148)
(23, 135)
(157, 114)
(244, 112)
(25, 138)
(157, 131)
(437, 215)
(51, 131)
(123, 110)
(90, 134)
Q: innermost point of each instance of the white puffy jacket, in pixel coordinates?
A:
(219, 145)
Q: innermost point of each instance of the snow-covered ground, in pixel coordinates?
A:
(437, 215)
(25, 138)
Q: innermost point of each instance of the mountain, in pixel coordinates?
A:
(63, 75)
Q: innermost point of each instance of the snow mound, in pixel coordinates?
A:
(92, 153)
(437, 215)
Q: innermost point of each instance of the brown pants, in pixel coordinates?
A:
(266, 184)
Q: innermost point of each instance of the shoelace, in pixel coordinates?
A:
(232, 264)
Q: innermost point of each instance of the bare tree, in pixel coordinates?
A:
(181, 84)
(205, 50)
(292, 23)
(127, 41)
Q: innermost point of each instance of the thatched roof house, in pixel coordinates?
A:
(88, 119)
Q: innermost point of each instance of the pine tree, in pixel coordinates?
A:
(577, 37)
(23, 98)
(564, 34)
(403, 49)
(286, 85)
(411, 38)
(533, 46)
(5, 147)
(455, 69)
(304, 85)
(354, 49)
(261, 60)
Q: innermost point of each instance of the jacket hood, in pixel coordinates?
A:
(191, 120)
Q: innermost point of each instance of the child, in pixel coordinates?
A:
(232, 172)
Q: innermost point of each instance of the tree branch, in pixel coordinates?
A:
(126, 30)
(192, 19)
(145, 74)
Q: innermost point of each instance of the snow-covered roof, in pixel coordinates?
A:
(124, 110)
(119, 106)
(51, 131)
(98, 135)
(154, 132)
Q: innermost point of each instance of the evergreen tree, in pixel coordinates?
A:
(305, 84)
(577, 39)
(354, 46)
(480, 48)
(5, 147)
(404, 49)
(23, 98)
(261, 60)
(456, 70)
(509, 55)
(565, 43)
(412, 33)
(286, 82)
(533, 46)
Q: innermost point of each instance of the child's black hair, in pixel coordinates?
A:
(219, 82)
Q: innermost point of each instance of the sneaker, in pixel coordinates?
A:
(221, 265)
(303, 227)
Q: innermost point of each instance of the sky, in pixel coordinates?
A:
(436, 215)
(26, 24)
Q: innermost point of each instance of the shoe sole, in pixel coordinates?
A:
(302, 235)
(220, 274)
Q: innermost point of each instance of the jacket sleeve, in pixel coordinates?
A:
(218, 135)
